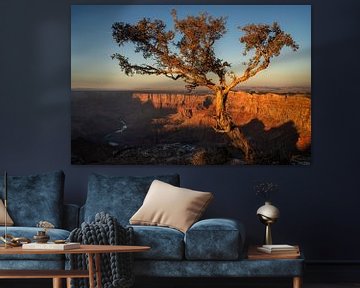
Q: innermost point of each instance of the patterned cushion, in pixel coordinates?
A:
(120, 196)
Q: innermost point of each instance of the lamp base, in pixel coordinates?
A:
(268, 237)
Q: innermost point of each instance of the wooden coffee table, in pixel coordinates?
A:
(94, 267)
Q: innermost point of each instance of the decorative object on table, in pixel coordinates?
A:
(11, 241)
(61, 241)
(268, 213)
(45, 225)
(41, 236)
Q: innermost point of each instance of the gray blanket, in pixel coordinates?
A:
(116, 268)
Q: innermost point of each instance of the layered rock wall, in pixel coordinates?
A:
(171, 100)
(273, 110)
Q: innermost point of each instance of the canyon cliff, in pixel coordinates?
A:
(128, 127)
(270, 109)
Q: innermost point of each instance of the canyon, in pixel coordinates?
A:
(130, 127)
(273, 110)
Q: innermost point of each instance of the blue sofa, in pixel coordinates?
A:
(210, 248)
(32, 199)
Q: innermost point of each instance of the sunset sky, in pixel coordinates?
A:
(92, 44)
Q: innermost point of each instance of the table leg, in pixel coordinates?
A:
(68, 282)
(91, 270)
(297, 282)
(57, 283)
(98, 270)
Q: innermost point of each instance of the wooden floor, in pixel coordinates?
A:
(45, 283)
(339, 285)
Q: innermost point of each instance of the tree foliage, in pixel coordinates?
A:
(187, 52)
(191, 57)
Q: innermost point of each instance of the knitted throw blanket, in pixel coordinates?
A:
(116, 268)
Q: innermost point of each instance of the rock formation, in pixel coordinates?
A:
(273, 110)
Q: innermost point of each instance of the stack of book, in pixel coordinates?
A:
(274, 252)
(279, 249)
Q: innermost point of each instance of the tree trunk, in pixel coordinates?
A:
(239, 141)
(223, 120)
(224, 124)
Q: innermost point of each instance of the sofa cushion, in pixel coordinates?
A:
(29, 232)
(9, 221)
(120, 196)
(213, 269)
(214, 239)
(165, 243)
(35, 198)
(170, 206)
(39, 264)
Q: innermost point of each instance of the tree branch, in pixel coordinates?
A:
(267, 41)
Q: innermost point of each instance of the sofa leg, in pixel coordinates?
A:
(68, 282)
(297, 282)
(57, 283)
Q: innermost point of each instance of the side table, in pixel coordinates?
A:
(288, 259)
(93, 251)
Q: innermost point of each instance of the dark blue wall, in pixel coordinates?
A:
(318, 203)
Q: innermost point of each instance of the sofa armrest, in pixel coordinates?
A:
(215, 239)
(70, 216)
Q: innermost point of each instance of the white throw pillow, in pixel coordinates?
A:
(170, 206)
(9, 221)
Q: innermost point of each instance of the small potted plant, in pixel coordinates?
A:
(265, 190)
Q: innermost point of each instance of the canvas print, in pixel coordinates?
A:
(191, 84)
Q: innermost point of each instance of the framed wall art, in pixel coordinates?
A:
(191, 84)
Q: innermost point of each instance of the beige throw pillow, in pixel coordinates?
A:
(9, 221)
(170, 206)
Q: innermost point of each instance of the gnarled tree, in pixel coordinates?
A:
(187, 52)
